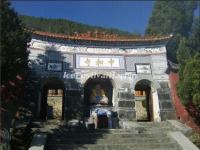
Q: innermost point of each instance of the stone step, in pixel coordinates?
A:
(127, 146)
(105, 135)
(116, 140)
(141, 124)
(111, 131)
(138, 136)
(149, 127)
(148, 124)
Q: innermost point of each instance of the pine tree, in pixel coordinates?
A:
(172, 17)
(188, 54)
(189, 85)
(13, 43)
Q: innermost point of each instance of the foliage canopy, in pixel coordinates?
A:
(13, 44)
(64, 26)
(172, 17)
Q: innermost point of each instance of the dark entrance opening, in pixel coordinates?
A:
(143, 100)
(52, 99)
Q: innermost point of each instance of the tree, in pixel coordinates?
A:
(64, 26)
(195, 36)
(189, 86)
(188, 55)
(188, 47)
(14, 62)
(172, 17)
(13, 44)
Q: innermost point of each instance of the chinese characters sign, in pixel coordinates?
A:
(100, 62)
(143, 68)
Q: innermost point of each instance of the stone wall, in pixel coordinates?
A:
(165, 102)
(126, 105)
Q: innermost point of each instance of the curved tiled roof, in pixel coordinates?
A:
(103, 39)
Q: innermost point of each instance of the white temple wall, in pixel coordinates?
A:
(139, 62)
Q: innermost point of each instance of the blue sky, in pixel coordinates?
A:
(129, 16)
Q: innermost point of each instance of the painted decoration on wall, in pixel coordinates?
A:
(143, 68)
(54, 66)
(99, 61)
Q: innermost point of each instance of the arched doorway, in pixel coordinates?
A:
(143, 100)
(105, 83)
(52, 99)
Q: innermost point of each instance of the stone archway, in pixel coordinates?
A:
(154, 84)
(52, 99)
(143, 103)
(146, 101)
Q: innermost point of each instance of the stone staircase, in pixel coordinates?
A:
(135, 136)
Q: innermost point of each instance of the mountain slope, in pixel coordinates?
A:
(66, 27)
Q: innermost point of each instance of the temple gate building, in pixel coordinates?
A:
(132, 73)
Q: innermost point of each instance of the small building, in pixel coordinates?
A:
(131, 71)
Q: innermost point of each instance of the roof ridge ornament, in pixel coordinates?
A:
(98, 38)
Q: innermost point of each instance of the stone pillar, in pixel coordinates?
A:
(126, 105)
(156, 109)
(166, 107)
